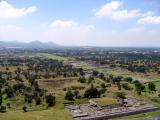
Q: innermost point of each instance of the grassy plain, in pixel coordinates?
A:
(58, 112)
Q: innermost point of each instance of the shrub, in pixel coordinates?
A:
(50, 100)
(103, 85)
(76, 93)
(95, 73)
(102, 91)
(121, 95)
(82, 79)
(151, 86)
(126, 86)
(92, 93)
(3, 109)
(139, 87)
(38, 101)
(90, 79)
(24, 108)
(119, 86)
(128, 79)
(69, 95)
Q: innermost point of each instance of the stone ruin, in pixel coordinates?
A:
(93, 111)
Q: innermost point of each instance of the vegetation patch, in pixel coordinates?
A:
(106, 101)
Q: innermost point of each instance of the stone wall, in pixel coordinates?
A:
(116, 115)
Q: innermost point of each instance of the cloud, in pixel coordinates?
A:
(69, 32)
(125, 14)
(149, 20)
(149, 13)
(113, 10)
(58, 31)
(64, 24)
(108, 8)
(82, 35)
(61, 24)
(8, 10)
(75, 33)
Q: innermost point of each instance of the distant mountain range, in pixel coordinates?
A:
(33, 44)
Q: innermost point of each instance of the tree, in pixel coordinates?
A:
(131, 68)
(3, 81)
(117, 79)
(18, 77)
(95, 72)
(50, 100)
(126, 86)
(10, 92)
(81, 72)
(101, 75)
(102, 91)
(119, 86)
(90, 79)
(76, 94)
(3, 109)
(82, 79)
(24, 108)
(139, 87)
(92, 93)
(103, 85)
(28, 98)
(151, 86)
(69, 95)
(121, 95)
(38, 100)
(1, 98)
(128, 79)
(141, 69)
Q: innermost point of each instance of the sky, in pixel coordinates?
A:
(82, 22)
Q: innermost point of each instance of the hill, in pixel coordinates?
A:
(33, 44)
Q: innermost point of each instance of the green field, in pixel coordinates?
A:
(45, 55)
(106, 101)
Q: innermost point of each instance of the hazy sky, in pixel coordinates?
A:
(82, 22)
